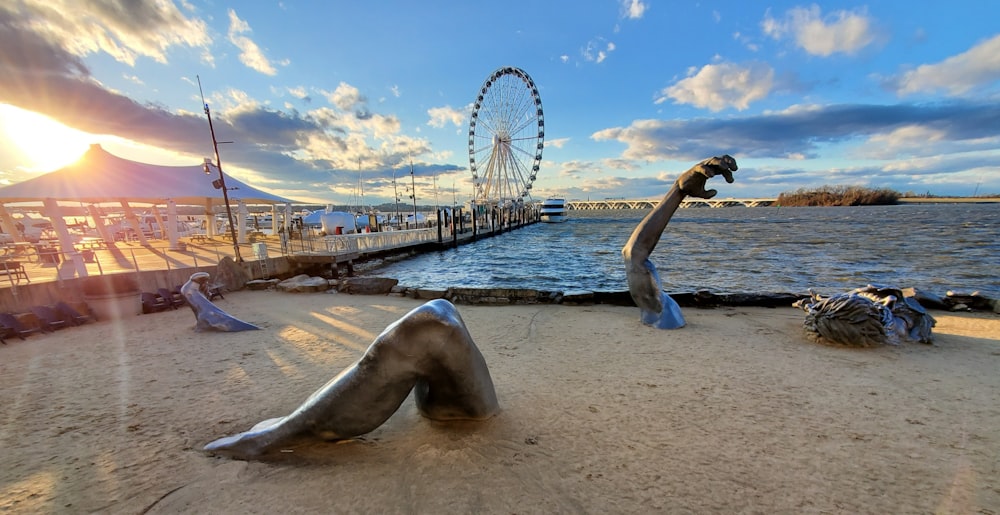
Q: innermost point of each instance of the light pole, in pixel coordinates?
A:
(413, 185)
(395, 193)
(220, 183)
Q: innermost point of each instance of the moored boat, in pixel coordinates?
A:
(553, 210)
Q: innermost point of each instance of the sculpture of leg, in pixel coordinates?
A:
(656, 307)
(429, 349)
(209, 317)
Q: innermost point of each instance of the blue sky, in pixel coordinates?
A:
(883, 94)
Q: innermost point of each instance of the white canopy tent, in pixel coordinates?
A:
(99, 177)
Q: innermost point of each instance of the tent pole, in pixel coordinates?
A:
(78, 267)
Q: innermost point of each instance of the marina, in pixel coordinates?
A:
(779, 249)
(37, 272)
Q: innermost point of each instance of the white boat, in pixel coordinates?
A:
(553, 210)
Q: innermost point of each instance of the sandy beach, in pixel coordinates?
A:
(736, 413)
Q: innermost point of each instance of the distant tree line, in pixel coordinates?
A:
(839, 196)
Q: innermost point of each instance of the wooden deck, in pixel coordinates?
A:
(41, 265)
(43, 262)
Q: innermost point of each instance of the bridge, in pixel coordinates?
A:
(651, 203)
(751, 202)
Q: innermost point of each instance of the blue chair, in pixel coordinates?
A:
(15, 327)
(152, 302)
(49, 319)
(73, 315)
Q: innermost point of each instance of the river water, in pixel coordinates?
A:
(936, 248)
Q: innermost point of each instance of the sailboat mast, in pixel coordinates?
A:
(361, 190)
(413, 185)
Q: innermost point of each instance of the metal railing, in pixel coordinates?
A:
(360, 243)
(379, 241)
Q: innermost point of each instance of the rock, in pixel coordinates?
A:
(429, 294)
(230, 274)
(972, 301)
(261, 284)
(926, 299)
(304, 284)
(615, 298)
(707, 299)
(501, 296)
(766, 300)
(367, 285)
(576, 297)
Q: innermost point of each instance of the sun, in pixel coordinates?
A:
(46, 144)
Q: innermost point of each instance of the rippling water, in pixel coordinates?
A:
(936, 248)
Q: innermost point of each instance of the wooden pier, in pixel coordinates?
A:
(347, 248)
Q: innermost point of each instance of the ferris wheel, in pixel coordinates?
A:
(506, 137)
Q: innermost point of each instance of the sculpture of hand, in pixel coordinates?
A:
(692, 182)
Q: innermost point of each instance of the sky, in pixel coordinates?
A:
(329, 101)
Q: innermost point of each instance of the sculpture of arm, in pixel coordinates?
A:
(643, 281)
(647, 234)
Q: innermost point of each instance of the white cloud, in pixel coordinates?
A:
(347, 97)
(299, 92)
(250, 54)
(633, 9)
(746, 41)
(718, 86)
(839, 32)
(144, 29)
(901, 141)
(920, 141)
(958, 74)
(132, 78)
(441, 116)
(643, 143)
(597, 50)
(556, 143)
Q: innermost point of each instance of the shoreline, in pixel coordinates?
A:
(374, 284)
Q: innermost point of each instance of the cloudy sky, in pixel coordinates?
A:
(316, 97)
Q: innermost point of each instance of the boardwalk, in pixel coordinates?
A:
(120, 257)
(24, 264)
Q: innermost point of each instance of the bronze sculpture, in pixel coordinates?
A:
(656, 307)
(209, 317)
(866, 317)
(429, 349)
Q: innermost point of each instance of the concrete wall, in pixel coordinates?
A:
(20, 298)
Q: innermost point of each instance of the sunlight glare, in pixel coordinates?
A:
(49, 144)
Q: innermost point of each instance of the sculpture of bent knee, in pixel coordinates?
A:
(209, 317)
(656, 307)
(428, 350)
